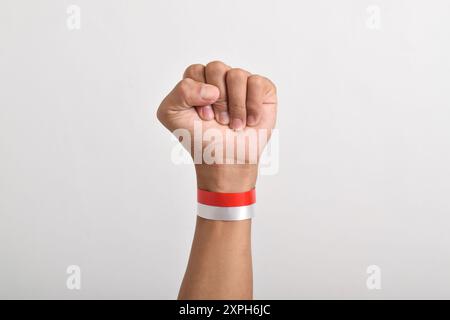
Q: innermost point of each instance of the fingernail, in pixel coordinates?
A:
(224, 118)
(237, 124)
(208, 113)
(251, 120)
(209, 92)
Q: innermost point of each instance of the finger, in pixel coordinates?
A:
(237, 97)
(257, 88)
(189, 93)
(215, 74)
(197, 72)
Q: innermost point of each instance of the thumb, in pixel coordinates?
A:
(189, 93)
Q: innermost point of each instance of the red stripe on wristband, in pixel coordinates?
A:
(219, 199)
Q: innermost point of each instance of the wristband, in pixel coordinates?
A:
(226, 206)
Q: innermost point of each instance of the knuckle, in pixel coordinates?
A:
(257, 80)
(193, 70)
(183, 87)
(236, 74)
(216, 67)
(261, 81)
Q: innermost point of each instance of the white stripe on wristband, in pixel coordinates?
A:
(226, 206)
(226, 213)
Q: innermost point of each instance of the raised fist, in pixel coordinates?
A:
(228, 106)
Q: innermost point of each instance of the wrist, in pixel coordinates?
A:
(231, 178)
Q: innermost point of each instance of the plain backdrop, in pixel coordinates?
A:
(86, 176)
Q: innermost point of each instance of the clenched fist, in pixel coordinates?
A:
(230, 106)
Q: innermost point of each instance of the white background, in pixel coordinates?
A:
(86, 176)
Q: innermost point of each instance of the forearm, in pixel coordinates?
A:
(220, 265)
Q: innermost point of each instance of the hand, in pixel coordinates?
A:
(227, 101)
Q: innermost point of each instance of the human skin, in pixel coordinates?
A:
(230, 100)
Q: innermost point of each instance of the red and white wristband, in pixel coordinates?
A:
(226, 206)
